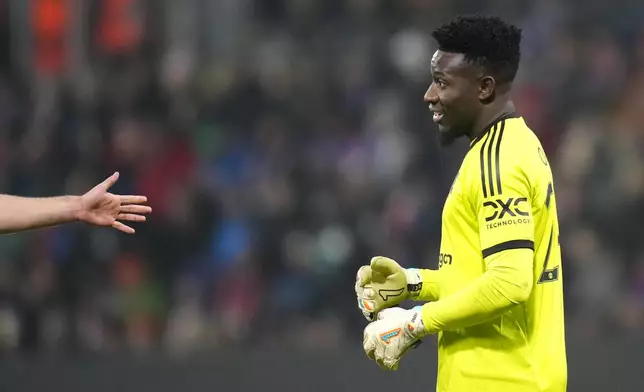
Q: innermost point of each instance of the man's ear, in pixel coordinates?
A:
(487, 88)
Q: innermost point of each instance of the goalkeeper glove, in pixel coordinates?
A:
(393, 335)
(383, 284)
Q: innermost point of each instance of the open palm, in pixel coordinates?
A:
(101, 208)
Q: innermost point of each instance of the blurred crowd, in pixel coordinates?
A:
(282, 144)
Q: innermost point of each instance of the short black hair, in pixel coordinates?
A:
(486, 41)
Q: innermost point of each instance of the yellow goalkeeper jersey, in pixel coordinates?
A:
(502, 199)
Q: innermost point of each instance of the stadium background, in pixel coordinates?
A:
(282, 143)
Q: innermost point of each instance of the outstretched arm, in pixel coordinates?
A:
(97, 207)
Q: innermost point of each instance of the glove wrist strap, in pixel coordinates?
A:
(415, 325)
(414, 282)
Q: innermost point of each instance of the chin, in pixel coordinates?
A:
(446, 136)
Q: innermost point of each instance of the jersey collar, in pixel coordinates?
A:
(492, 124)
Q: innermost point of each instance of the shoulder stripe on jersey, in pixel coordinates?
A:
(498, 165)
(492, 145)
(490, 172)
(483, 179)
(513, 244)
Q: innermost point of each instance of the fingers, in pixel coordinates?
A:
(364, 275)
(366, 305)
(365, 292)
(369, 345)
(385, 362)
(121, 227)
(369, 293)
(111, 180)
(131, 217)
(132, 199)
(391, 363)
(136, 209)
(368, 315)
(376, 353)
(367, 308)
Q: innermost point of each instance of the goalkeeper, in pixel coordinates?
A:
(496, 301)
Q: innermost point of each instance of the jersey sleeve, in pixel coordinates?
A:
(506, 282)
(503, 205)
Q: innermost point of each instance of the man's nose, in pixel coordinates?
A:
(430, 95)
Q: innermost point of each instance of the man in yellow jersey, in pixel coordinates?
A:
(496, 301)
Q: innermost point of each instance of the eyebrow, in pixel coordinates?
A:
(440, 74)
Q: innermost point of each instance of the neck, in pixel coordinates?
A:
(489, 115)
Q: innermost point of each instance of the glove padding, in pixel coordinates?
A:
(383, 284)
(395, 332)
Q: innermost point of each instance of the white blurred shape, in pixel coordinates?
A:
(334, 245)
(410, 52)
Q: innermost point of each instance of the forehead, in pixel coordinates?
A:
(451, 64)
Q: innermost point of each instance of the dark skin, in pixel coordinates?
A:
(464, 100)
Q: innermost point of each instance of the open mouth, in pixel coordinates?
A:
(438, 116)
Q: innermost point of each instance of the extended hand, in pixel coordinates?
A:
(100, 208)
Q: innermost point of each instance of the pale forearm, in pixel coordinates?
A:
(505, 284)
(25, 213)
